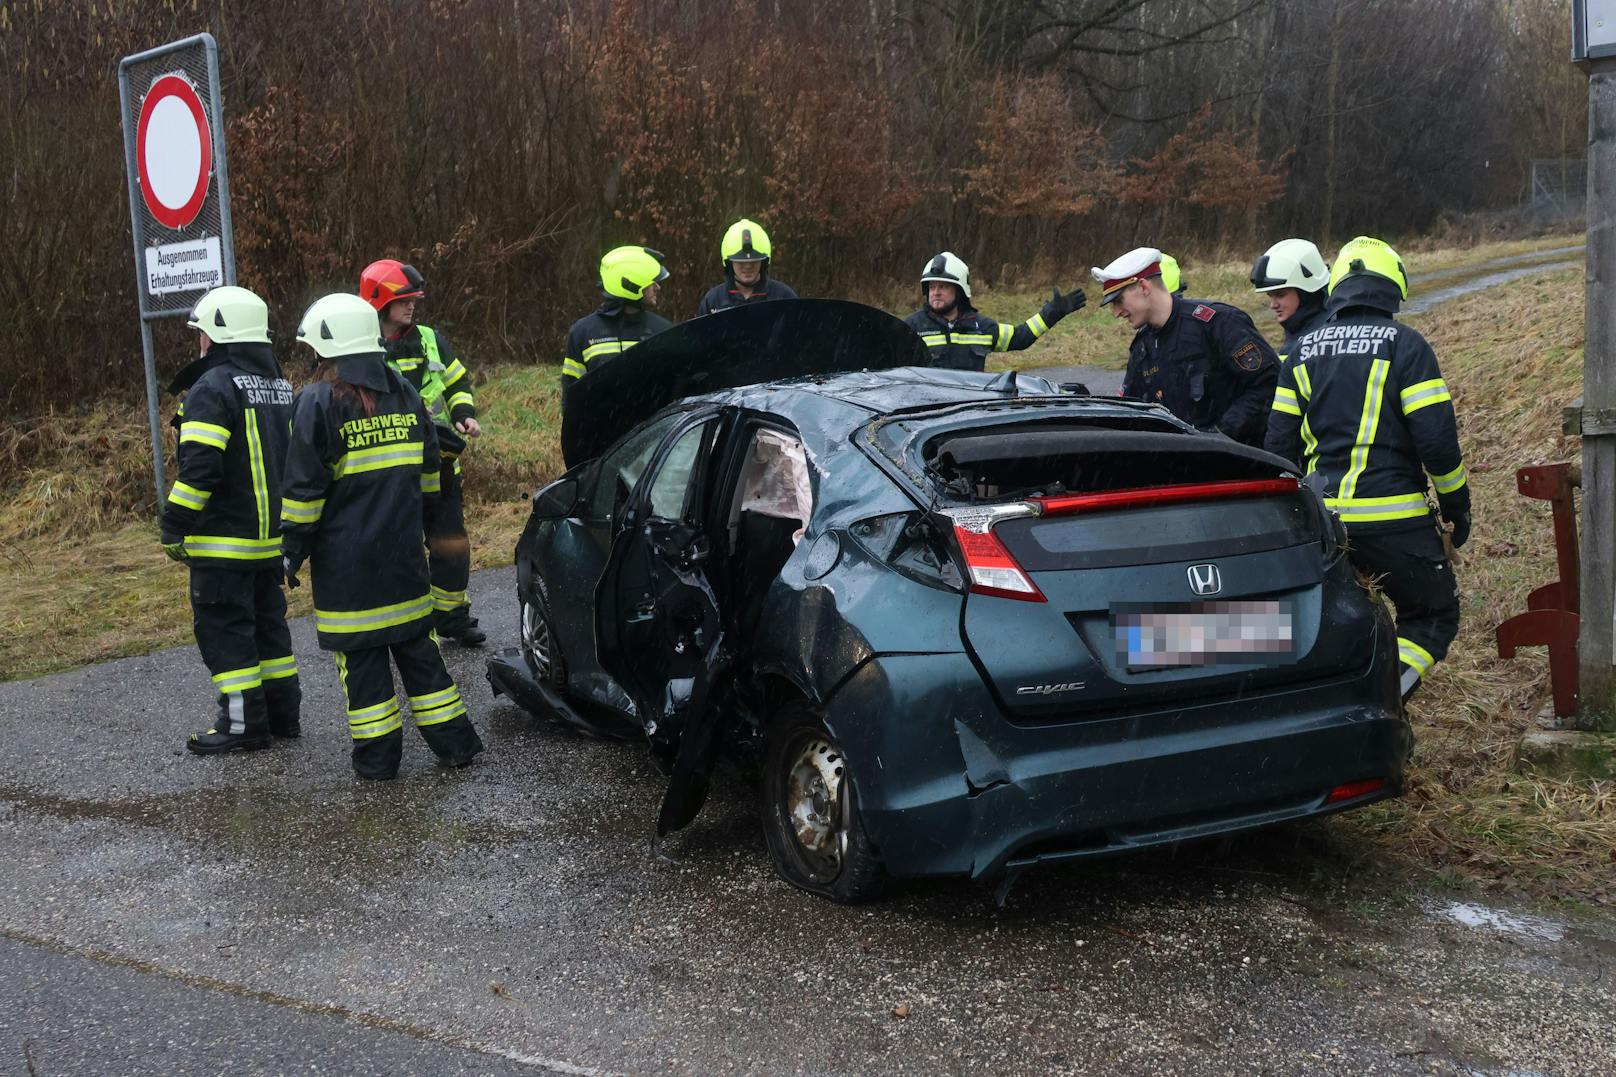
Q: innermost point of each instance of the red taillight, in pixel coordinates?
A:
(992, 570)
(1354, 790)
(1164, 495)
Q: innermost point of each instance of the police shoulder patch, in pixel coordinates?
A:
(1203, 312)
(1247, 357)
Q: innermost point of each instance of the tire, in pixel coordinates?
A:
(540, 647)
(809, 803)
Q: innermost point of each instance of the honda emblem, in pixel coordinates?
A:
(1205, 579)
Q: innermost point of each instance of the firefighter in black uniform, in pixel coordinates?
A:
(1362, 405)
(745, 252)
(959, 338)
(223, 518)
(1293, 276)
(364, 452)
(1204, 361)
(630, 280)
(430, 365)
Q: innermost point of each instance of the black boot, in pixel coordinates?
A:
(286, 729)
(214, 742)
(460, 627)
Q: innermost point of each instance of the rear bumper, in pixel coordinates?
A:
(947, 786)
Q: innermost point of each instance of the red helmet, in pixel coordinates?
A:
(389, 279)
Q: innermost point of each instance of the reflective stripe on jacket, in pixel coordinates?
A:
(430, 365)
(1362, 402)
(964, 343)
(225, 503)
(352, 505)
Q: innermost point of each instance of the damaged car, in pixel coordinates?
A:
(963, 623)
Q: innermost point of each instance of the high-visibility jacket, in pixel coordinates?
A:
(1208, 365)
(226, 502)
(724, 295)
(964, 343)
(430, 365)
(352, 504)
(1362, 403)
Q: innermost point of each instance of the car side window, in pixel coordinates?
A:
(670, 488)
(620, 469)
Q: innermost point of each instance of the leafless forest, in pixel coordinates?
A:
(502, 144)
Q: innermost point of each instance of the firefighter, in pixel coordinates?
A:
(745, 253)
(1361, 404)
(1293, 275)
(1204, 361)
(1172, 278)
(428, 362)
(630, 281)
(364, 453)
(223, 519)
(959, 338)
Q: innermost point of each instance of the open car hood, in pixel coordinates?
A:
(745, 345)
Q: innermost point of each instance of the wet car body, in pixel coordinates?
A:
(947, 630)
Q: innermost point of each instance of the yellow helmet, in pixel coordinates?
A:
(746, 241)
(626, 272)
(1366, 254)
(1172, 280)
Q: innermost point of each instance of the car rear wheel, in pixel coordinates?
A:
(540, 648)
(810, 811)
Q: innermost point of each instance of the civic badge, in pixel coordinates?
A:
(1205, 579)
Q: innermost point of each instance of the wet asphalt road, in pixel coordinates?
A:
(267, 914)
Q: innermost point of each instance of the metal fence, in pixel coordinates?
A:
(1559, 188)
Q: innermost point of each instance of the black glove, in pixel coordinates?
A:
(1059, 306)
(1456, 510)
(290, 563)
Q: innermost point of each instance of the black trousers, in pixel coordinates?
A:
(448, 550)
(373, 710)
(239, 618)
(1412, 569)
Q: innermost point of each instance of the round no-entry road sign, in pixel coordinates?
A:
(174, 151)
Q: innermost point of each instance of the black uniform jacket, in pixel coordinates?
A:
(1209, 366)
(964, 343)
(352, 505)
(614, 328)
(226, 502)
(723, 295)
(1362, 402)
(1308, 317)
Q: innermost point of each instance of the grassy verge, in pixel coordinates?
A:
(81, 578)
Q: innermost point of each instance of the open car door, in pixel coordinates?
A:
(658, 627)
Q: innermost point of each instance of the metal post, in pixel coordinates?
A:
(152, 417)
(1596, 659)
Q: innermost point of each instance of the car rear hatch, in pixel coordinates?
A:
(1123, 569)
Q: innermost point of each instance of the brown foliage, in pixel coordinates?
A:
(1207, 167)
(1038, 157)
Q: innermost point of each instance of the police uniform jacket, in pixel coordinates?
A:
(352, 505)
(226, 502)
(1208, 365)
(964, 343)
(724, 295)
(428, 362)
(1362, 403)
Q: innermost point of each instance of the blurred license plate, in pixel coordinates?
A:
(1203, 634)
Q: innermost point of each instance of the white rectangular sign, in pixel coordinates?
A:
(192, 266)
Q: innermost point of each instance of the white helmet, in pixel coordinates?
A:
(1290, 263)
(948, 268)
(341, 324)
(231, 315)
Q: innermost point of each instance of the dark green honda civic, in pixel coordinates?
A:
(965, 623)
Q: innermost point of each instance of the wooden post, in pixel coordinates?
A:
(1596, 659)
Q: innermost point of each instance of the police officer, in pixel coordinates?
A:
(1362, 404)
(630, 281)
(223, 518)
(364, 452)
(745, 252)
(1172, 277)
(428, 362)
(959, 338)
(1293, 275)
(1204, 361)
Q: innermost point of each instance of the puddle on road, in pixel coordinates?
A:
(1520, 925)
